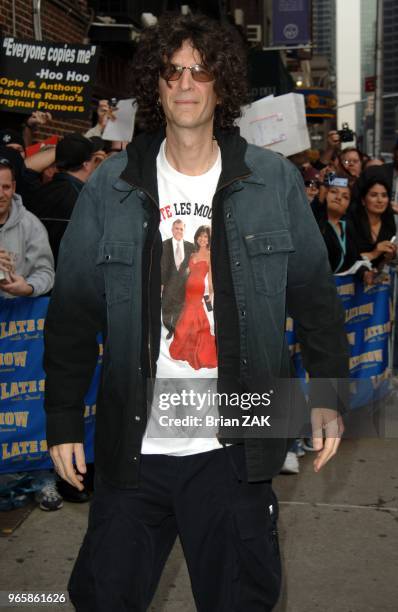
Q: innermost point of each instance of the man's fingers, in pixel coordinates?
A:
(329, 424)
(62, 456)
(80, 459)
(329, 451)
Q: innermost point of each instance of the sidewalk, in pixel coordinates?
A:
(338, 531)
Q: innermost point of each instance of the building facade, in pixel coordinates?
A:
(390, 75)
(324, 30)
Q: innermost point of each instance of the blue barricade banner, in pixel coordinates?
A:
(368, 325)
(22, 418)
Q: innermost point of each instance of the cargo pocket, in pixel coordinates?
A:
(116, 260)
(268, 253)
(259, 564)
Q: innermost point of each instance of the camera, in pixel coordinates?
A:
(346, 135)
(331, 180)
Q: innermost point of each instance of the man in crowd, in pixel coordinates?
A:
(266, 255)
(26, 261)
(26, 270)
(27, 169)
(55, 200)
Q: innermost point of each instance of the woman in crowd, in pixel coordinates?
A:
(338, 231)
(374, 221)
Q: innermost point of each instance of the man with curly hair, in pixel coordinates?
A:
(261, 253)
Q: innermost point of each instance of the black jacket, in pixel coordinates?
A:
(267, 257)
(53, 203)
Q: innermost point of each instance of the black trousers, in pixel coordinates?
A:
(227, 528)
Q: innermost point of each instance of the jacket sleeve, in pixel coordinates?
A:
(312, 298)
(75, 315)
(39, 259)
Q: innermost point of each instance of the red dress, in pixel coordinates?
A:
(193, 341)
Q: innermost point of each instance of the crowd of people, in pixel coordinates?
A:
(355, 202)
(37, 196)
(354, 199)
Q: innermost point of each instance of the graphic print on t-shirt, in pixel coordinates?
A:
(188, 347)
(187, 295)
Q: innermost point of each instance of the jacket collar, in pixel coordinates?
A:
(140, 171)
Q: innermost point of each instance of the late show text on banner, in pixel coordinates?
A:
(368, 327)
(22, 419)
(53, 77)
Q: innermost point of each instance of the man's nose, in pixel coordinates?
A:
(186, 81)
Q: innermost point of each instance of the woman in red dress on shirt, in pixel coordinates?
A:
(193, 341)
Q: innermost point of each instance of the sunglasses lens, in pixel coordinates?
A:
(201, 74)
(312, 184)
(170, 73)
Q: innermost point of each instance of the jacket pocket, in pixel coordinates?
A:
(117, 262)
(268, 253)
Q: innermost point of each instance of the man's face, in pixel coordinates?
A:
(7, 190)
(187, 103)
(178, 231)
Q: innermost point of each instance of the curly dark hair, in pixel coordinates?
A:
(202, 229)
(221, 50)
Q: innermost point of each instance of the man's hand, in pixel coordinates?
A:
(38, 118)
(104, 112)
(328, 423)
(389, 249)
(6, 262)
(62, 456)
(16, 286)
(369, 277)
(333, 140)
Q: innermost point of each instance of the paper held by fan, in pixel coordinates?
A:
(268, 130)
(122, 128)
(277, 123)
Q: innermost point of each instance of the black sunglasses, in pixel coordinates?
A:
(312, 184)
(172, 72)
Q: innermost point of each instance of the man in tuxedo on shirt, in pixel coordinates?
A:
(174, 265)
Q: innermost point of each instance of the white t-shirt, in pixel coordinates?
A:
(187, 345)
